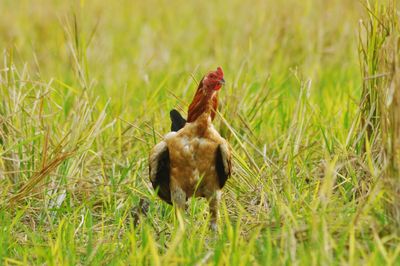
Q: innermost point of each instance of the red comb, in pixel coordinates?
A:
(220, 73)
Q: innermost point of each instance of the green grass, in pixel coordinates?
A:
(85, 92)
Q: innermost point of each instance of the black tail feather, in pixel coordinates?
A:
(177, 121)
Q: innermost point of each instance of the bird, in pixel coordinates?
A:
(193, 160)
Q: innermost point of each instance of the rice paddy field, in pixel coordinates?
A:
(85, 92)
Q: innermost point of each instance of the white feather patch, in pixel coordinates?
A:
(169, 135)
(154, 158)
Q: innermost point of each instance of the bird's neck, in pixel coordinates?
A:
(203, 104)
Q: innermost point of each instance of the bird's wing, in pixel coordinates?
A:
(177, 121)
(159, 170)
(223, 163)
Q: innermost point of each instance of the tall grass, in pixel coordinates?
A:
(380, 110)
(85, 91)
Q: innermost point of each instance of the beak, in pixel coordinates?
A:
(222, 82)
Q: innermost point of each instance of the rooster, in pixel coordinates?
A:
(193, 159)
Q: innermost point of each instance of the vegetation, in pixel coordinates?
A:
(85, 92)
(380, 102)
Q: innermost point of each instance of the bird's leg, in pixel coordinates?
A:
(178, 197)
(214, 209)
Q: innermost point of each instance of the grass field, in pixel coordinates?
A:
(85, 92)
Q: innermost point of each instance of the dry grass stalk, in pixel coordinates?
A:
(380, 102)
(39, 176)
(392, 129)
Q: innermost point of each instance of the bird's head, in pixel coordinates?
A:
(214, 79)
(206, 95)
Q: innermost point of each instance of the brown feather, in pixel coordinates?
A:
(196, 160)
(200, 102)
(195, 153)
